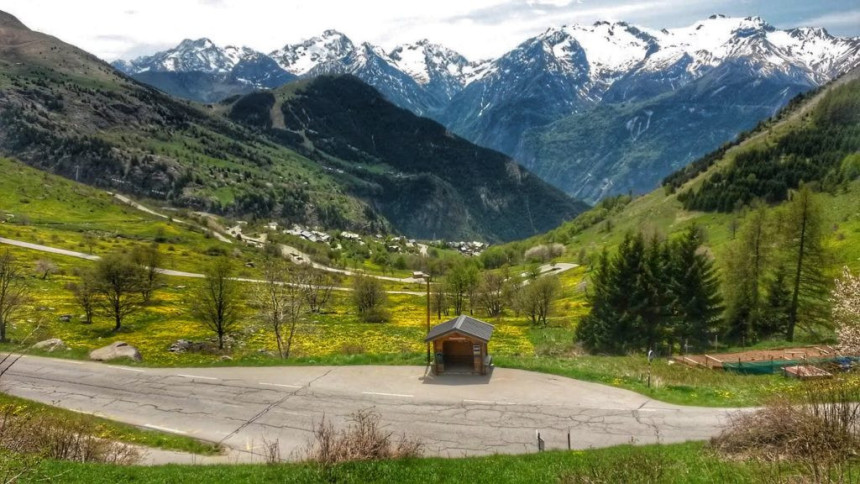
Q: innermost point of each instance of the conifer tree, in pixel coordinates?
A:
(802, 242)
(747, 264)
(695, 290)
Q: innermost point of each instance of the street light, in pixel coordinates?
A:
(427, 280)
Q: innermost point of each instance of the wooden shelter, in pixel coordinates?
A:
(461, 344)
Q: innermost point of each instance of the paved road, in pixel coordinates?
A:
(453, 415)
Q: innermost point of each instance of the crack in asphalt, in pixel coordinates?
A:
(271, 406)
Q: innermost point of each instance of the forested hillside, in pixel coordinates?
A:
(822, 147)
(419, 175)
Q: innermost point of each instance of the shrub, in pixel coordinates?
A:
(63, 439)
(544, 252)
(365, 438)
(819, 428)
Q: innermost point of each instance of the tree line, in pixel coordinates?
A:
(669, 294)
(465, 288)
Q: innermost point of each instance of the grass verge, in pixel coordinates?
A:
(111, 430)
(675, 463)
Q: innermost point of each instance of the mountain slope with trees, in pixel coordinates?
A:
(775, 259)
(596, 110)
(404, 165)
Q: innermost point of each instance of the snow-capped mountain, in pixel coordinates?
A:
(421, 77)
(202, 71)
(439, 69)
(565, 71)
(301, 58)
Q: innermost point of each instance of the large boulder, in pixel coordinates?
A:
(113, 351)
(50, 345)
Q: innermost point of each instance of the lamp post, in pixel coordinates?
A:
(427, 280)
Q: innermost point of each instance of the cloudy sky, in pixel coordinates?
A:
(477, 28)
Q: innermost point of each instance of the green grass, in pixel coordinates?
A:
(672, 383)
(676, 463)
(109, 429)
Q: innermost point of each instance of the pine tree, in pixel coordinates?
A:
(654, 283)
(695, 289)
(595, 331)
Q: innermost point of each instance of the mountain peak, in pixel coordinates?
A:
(333, 33)
(201, 43)
(9, 21)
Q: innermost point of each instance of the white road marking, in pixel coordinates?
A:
(198, 377)
(129, 369)
(74, 362)
(164, 429)
(388, 394)
(279, 385)
(487, 402)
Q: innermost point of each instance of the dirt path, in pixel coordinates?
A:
(166, 272)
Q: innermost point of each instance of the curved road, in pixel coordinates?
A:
(453, 415)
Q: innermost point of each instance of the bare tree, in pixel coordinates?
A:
(45, 268)
(148, 259)
(318, 287)
(439, 299)
(86, 294)
(283, 300)
(14, 291)
(217, 299)
(118, 281)
(491, 293)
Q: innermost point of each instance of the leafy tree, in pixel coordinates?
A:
(462, 279)
(536, 299)
(86, 294)
(369, 298)
(45, 268)
(217, 300)
(148, 259)
(118, 280)
(14, 291)
(492, 293)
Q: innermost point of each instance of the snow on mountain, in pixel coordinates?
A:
(199, 55)
(607, 52)
(301, 58)
(434, 66)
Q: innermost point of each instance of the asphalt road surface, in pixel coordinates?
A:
(456, 415)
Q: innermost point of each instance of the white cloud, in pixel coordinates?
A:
(833, 20)
(477, 28)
